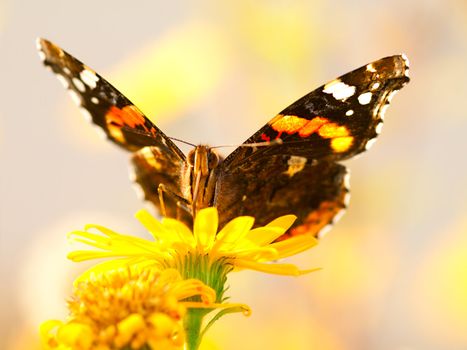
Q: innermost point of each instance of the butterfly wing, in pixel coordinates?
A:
(269, 187)
(123, 123)
(299, 174)
(157, 160)
(335, 121)
(154, 167)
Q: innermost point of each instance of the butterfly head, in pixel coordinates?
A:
(203, 159)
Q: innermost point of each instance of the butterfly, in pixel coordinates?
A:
(289, 166)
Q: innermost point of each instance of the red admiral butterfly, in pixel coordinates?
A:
(297, 172)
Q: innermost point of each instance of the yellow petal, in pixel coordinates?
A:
(114, 244)
(91, 239)
(236, 229)
(283, 221)
(180, 229)
(228, 238)
(156, 229)
(277, 269)
(104, 230)
(256, 254)
(83, 255)
(265, 235)
(205, 227)
(294, 245)
(192, 287)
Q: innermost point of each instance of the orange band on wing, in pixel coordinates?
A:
(312, 126)
(341, 140)
(128, 115)
(289, 124)
(332, 130)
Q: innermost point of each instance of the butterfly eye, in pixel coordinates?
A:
(213, 160)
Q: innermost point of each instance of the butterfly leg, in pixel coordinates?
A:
(181, 206)
(182, 203)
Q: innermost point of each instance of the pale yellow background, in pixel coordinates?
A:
(395, 267)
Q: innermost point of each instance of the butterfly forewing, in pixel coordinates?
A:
(335, 121)
(122, 122)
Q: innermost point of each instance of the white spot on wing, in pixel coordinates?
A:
(338, 216)
(86, 114)
(131, 174)
(75, 97)
(379, 127)
(383, 110)
(79, 84)
(42, 55)
(100, 132)
(347, 180)
(63, 81)
(339, 90)
(347, 199)
(370, 144)
(391, 95)
(89, 78)
(38, 44)
(375, 85)
(365, 98)
(407, 64)
(67, 70)
(94, 100)
(349, 112)
(139, 191)
(324, 231)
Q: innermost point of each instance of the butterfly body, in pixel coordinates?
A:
(290, 166)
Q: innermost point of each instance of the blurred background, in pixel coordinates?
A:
(394, 268)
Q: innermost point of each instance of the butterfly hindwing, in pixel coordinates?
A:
(268, 187)
(154, 167)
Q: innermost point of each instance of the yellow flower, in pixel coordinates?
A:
(127, 308)
(204, 254)
(237, 245)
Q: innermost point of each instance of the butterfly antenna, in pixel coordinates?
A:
(255, 144)
(185, 142)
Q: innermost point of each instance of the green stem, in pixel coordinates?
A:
(193, 322)
(211, 273)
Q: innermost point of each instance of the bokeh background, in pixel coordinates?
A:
(394, 268)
